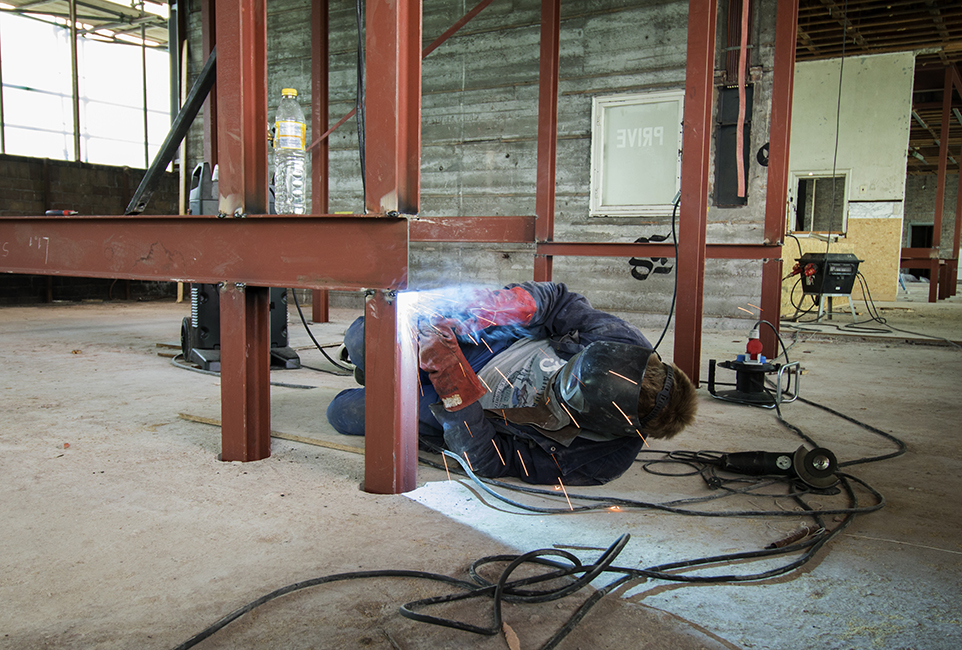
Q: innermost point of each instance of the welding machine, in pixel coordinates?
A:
(828, 273)
(200, 333)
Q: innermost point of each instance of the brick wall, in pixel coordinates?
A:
(920, 196)
(31, 186)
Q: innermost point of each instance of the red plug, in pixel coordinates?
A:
(754, 347)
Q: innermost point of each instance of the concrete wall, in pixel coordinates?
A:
(479, 152)
(920, 195)
(31, 186)
(873, 130)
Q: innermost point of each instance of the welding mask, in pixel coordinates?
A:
(600, 386)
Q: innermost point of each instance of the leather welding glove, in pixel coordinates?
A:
(440, 356)
(490, 307)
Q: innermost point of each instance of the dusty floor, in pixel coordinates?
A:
(120, 528)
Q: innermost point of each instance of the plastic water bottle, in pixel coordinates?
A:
(290, 131)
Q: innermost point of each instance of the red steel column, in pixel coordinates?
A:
(940, 183)
(242, 106)
(393, 107)
(391, 398)
(392, 185)
(242, 156)
(245, 372)
(547, 132)
(693, 217)
(779, 132)
(952, 287)
(319, 118)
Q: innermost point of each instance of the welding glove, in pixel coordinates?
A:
(440, 356)
(491, 307)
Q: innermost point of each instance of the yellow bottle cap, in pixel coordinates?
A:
(289, 92)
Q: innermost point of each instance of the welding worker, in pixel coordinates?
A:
(530, 381)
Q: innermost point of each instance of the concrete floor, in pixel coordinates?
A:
(120, 528)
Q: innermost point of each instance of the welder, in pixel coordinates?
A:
(530, 381)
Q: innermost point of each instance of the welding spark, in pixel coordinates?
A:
(522, 462)
(462, 369)
(487, 346)
(471, 337)
(569, 414)
(504, 416)
(645, 440)
(499, 451)
(469, 428)
(420, 387)
(555, 461)
(755, 306)
(446, 466)
(541, 350)
(469, 461)
(623, 377)
(566, 493)
(615, 509)
(485, 384)
(505, 378)
(746, 311)
(622, 412)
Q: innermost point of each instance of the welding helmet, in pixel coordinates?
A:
(600, 386)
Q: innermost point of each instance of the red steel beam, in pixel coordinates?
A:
(305, 252)
(242, 106)
(241, 31)
(779, 132)
(547, 132)
(957, 234)
(714, 251)
(392, 185)
(474, 229)
(390, 398)
(392, 119)
(245, 372)
(693, 215)
(320, 158)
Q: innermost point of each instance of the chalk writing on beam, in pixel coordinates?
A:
(41, 243)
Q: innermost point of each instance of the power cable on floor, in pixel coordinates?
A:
(300, 313)
(213, 373)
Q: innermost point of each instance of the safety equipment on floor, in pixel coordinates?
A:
(450, 374)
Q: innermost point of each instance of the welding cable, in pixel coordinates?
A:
(300, 313)
(297, 586)
(674, 291)
(605, 502)
(838, 123)
(212, 373)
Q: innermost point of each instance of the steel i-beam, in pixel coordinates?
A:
(547, 132)
(783, 81)
(392, 119)
(693, 213)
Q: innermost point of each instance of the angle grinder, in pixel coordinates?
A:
(816, 467)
